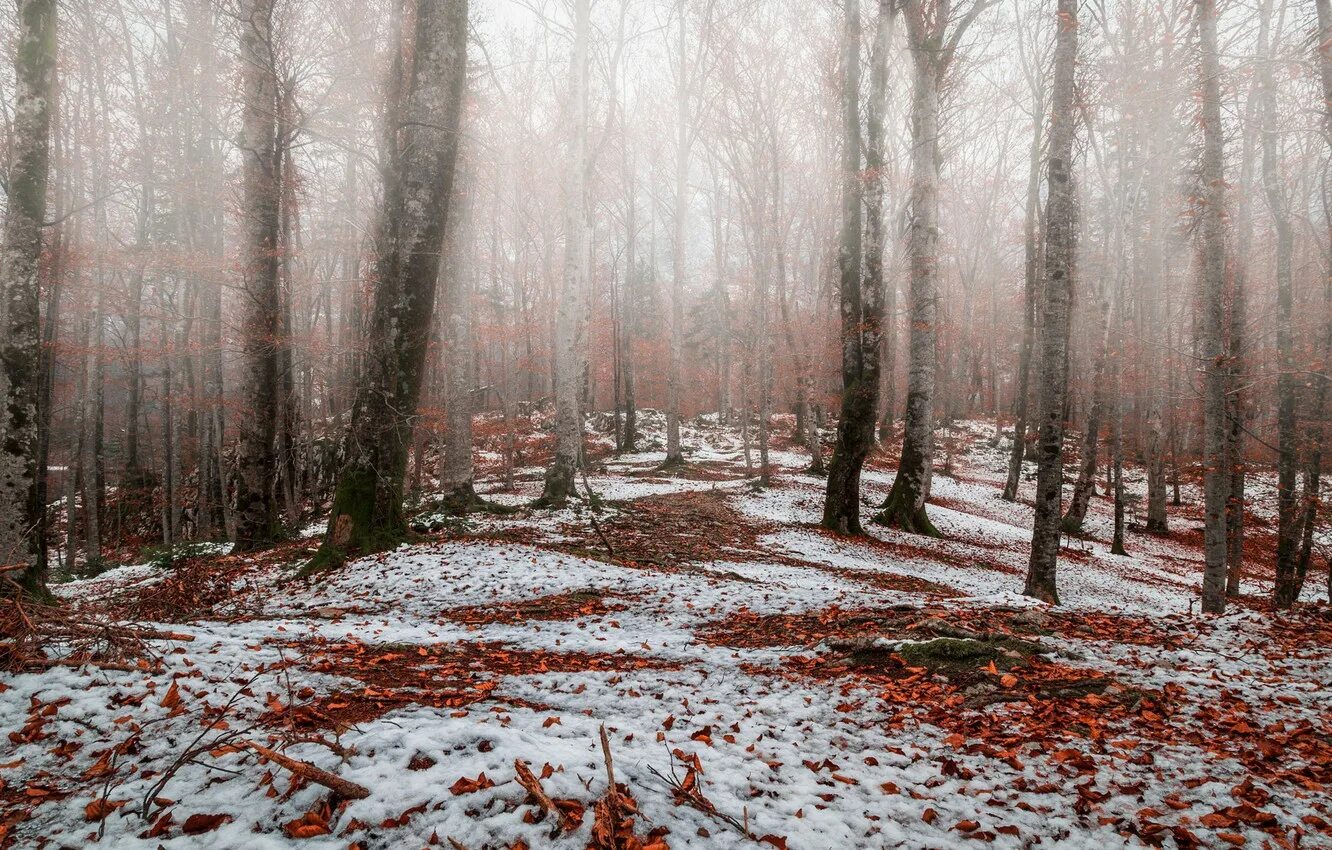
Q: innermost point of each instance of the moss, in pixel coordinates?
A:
(559, 484)
(363, 520)
(899, 511)
(951, 655)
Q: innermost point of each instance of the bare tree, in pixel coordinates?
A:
(1060, 266)
(1216, 477)
(22, 514)
(256, 508)
(933, 38)
(367, 510)
(569, 322)
(862, 285)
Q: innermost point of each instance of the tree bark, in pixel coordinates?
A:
(256, 510)
(367, 510)
(22, 564)
(861, 291)
(905, 505)
(1289, 510)
(1060, 263)
(1030, 292)
(569, 320)
(1216, 477)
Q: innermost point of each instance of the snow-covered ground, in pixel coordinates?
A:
(519, 639)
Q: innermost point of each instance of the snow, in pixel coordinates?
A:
(752, 724)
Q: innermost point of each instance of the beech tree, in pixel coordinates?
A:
(570, 323)
(934, 38)
(423, 140)
(862, 286)
(22, 512)
(256, 504)
(1216, 477)
(1058, 283)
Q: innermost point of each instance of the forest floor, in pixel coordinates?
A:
(761, 683)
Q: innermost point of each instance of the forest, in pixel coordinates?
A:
(661, 424)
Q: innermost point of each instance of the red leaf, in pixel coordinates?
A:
(199, 824)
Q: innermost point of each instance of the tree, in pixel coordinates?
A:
(1216, 477)
(256, 508)
(367, 510)
(862, 286)
(1060, 264)
(22, 514)
(1034, 72)
(569, 322)
(933, 44)
(1324, 49)
(1289, 511)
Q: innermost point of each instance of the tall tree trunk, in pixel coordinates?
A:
(1319, 412)
(256, 510)
(674, 454)
(1032, 271)
(1085, 486)
(861, 287)
(1060, 263)
(1289, 511)
(569, 327)
(905, 505)
(1216, 477)
(367, 510)
(22, 562)
(456, 471)
(1236, 412)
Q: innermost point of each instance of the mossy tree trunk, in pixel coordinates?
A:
(367, 511)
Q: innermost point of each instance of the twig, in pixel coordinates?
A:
(344, 788)
(532, 785)
(611, 795)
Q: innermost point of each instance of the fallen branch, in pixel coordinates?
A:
(344, 788)
(532, 785)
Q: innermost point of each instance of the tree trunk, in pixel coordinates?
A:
(367, 510)
(861, 288)
(1060, 262)
(22, 565)
(1085, 486)
(456, 471)
(674, 454)
(1289, 512)
(569, 321)
(1216, 477)
(1319, 412)
(1032, 269)
(905, 505)
(256, 510)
